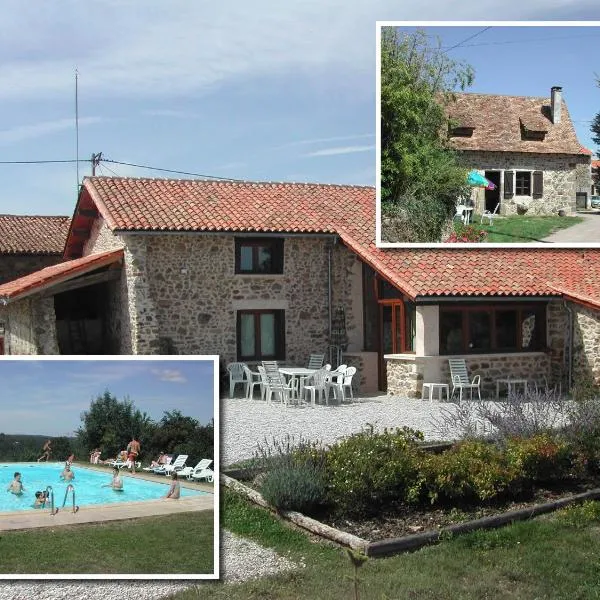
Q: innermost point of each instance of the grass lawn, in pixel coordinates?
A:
(179, 543)
(555, 556)
(523, 229)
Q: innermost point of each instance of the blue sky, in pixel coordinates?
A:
(47, 397)
(528, 61)
(262, 90)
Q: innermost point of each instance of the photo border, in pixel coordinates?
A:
(452, 245)
(216, 491)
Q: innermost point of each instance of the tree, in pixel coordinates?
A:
(421, 179)
(109, 424)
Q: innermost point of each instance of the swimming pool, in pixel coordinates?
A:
(87, 483)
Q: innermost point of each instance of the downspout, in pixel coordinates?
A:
(570, 365)
(329, 287)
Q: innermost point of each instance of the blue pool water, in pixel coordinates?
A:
(87, 483)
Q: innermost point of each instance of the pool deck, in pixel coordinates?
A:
(99, 513)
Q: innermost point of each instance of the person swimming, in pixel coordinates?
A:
(16, 485)
(116, 482)
(40, 499)
(67, 474)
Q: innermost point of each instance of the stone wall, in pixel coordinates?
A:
(562, 173)
(182, 294)
(44, 325)
(404, 376)
(13, 266)
(101, 239)
(586, 344)
(557, 332)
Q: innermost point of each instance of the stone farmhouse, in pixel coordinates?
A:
(255, 271)
(526, 146)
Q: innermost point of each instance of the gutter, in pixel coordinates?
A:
(229, 233)
(482, 299)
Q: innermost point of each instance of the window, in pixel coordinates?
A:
(259, 255)
(523, 183)
(482, 329)
(260, 335)
(398, 327)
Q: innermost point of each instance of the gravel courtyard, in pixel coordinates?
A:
(246, 423)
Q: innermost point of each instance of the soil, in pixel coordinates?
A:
(401, 520)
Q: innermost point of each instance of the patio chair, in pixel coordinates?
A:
(460, 378)
(315, 361)
(200, 471)
(252, 380)
(490, 214)
(177, 465)
(276, 384)
(318, 383)
(342, 384)
(236, 375)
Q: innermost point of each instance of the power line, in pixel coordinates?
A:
(467, 39)
(525, 41)
(117, 162)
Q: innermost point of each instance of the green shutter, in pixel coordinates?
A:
(538, 184)
(509, 178)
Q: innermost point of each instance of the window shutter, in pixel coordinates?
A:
(509, 190)
(538, 184)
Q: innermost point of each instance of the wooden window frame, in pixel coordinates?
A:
(277, 248)
(401, 300)
(491, 309)
(519, 189)
(279, 318)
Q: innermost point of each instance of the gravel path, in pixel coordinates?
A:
(241, 559)
(246, 423)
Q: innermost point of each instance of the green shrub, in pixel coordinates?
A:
(581, 515)
(582, 432)
(294, 487)
(469, 471)
(539, 458)
(365, 470)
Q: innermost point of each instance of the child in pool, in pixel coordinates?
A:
(40, 499)
(67, 474)
(16, 486)
(174, 490)
(116, 481)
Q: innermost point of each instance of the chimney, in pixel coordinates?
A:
(555, 103)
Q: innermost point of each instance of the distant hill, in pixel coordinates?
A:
(26, 448)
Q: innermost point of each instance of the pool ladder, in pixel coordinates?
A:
(70, 488)
(50, 494)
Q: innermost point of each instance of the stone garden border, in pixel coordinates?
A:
(415, 541)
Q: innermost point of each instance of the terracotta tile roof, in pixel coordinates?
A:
(45, 278)
(147, 204)
(33, 235)
(595, 164)
(497, 124)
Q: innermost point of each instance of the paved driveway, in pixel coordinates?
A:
(588, 231)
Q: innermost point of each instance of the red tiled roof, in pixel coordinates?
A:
(35, 282)
(497, 124)
(196, 205)
(595, 164)
(32, 235)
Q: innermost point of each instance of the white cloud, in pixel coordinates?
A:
(127, 48)
(36, 130)
(170, 375)
(339, 138)
(341, 150)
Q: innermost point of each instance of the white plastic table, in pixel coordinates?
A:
(294, 373)
(510, 382)
(440, 387)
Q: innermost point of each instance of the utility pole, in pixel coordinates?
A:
(96, 158)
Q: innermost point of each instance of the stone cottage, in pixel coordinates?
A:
(255, 271)
(526, 146)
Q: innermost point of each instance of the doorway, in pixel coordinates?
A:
(492, 197)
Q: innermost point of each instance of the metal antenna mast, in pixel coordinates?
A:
(77, 129)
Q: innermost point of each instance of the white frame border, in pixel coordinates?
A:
(450, 245)
(216, 491)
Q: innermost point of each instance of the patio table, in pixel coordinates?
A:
(301, 373)
(510, 382)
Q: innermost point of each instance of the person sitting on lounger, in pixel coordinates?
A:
(175, 489)
(67, 474)
(116, 483)
(161, 460)
(16, 486)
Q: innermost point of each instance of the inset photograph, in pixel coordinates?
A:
(488, 134)
(108, 468)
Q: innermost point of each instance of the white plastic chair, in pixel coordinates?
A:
(344, 383)
(275, 383)
(460, 378)
(318, 384)
(315, 361)
(490, 214)
(236, 375)
(252, 380)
